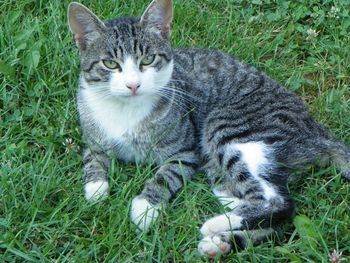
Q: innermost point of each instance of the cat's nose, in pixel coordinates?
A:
(133, 87)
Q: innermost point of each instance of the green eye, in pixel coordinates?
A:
(148, 60)
(111, 64)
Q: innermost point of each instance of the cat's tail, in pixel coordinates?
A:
(339, 155)
(322, 151)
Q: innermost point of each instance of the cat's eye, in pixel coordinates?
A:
(148, 60)
(111, 64)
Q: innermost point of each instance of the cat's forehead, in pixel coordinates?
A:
(125, 27)
(126, 35)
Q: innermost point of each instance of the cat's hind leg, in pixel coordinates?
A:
(249, 221)
(255, 191)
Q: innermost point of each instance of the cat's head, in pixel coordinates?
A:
(124, 57)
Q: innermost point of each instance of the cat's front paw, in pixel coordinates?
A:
(96, 190)
(143, 213)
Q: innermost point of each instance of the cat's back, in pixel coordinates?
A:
(219, 79)
(232, 94)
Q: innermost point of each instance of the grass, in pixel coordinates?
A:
(43, 216)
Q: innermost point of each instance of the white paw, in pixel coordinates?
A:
(143, 213)
(96, 190)
(213, 246)
(221, 223)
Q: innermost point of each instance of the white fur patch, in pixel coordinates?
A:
(254, 155)
(221, 223)
(96, 190)
(115, 116)
(227, 200)
(143, 214)
(213, 246)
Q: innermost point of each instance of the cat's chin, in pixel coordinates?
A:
(130, 97)
(125, 97)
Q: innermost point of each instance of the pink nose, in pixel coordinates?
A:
(133, 87)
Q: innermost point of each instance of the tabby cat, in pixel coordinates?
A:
(190, 110)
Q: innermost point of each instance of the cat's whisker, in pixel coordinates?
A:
(181, 92)
(185, 95)
(169, 95)
(169, 100)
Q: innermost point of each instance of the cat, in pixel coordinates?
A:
(189, 110)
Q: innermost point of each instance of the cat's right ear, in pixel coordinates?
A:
(158, 17)
(84, 24)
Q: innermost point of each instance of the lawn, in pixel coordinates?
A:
(305, 45)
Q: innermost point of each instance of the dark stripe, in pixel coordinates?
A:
(118, 50)
(229, 138)
(257, 197)
(121, 52)
(169, 181)
(220, 157)
(147, 48)
(190, 164)
(141, 49)
(192, 121)
(241, 81)
(170, 186)
(87, 158)
(243, 176)
(273, 130)
(275, 138)
(164, 56)
(239, 241)
(91, 65)
(93, 79)
(247, 106)
(190, 148)
(232, 161)
(152, 197)
(135, 46)
(221, 127)
(261, 81)
(158, 65)
(110, 54)
(176, 175)
(252, 190)
(160, 180)
(115, 50)
(185, 163)
(133, 31)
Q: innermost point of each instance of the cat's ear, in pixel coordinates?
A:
(84, 24)
(158, 17)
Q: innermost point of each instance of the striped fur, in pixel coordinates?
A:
(194, 110)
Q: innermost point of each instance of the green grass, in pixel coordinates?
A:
(43, 216)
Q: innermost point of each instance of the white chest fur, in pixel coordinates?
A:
(118, 119)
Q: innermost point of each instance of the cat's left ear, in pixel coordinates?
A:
(84, 24)
(158, 17)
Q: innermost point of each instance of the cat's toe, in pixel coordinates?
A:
(96, 190)
(213, 246)
(143, 213)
